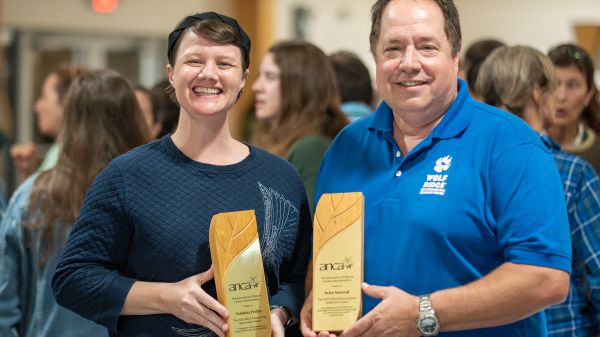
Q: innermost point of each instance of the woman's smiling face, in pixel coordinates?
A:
(207, 76)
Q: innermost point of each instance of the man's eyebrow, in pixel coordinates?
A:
(392, 40)
(426, 39)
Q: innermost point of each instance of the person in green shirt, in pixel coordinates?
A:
(297, 106)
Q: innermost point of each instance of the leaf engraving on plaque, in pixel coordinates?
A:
(234, 232)
(334, 213)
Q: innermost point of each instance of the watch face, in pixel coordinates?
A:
(428, 325)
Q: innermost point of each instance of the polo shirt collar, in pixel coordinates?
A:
(455, 120)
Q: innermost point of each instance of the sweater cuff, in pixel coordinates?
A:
(113, 303)
(286, 301)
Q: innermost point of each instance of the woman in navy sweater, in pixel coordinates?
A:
(138, 258)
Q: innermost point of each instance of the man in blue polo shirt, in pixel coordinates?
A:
(466, 228)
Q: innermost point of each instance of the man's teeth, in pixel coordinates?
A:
(207, 91)
(410, 84)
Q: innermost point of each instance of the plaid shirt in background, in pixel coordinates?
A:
(578, 315)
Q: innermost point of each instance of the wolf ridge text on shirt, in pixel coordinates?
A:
(435, 184)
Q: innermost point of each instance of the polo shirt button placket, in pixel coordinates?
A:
(397, 160)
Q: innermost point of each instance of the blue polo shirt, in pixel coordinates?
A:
(479, 191)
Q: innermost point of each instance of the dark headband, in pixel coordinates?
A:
(192, 19)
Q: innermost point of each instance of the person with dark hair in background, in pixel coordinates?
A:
(522, 80)
(297, 107)
(101, 120)
(474, 57)
(354, 82)
(138, 259)
(144, 98)
(466, 230)
(166, 111)
(577, 121)
(49, 112)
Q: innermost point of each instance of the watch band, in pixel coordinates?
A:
(427, 322)
(425, 304)
(288, 313)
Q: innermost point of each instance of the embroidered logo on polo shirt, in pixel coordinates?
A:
(442, 164)
(436, 183)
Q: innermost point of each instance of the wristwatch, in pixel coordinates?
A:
(288, 313)
(427, 322)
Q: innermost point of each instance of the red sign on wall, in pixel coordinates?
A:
(105, 6)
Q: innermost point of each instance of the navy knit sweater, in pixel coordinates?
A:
(146, 217)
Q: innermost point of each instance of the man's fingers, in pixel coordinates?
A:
(359, 328)
(306, 323)
(326, 334)
(306, 329)
(374, 291)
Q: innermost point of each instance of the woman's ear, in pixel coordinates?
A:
(536, 95)
(170, 74)
(589, 96)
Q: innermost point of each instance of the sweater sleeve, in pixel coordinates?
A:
(291, 289)
(89, 277)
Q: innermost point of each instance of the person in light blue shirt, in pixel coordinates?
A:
(2, 186)
(2, 200)
(465, 230)
(354, 82)
(41, 212)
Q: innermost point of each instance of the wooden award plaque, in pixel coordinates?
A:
(337, 261)
(239, 273)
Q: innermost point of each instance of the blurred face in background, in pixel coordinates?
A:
(48, 108)
(267, 89)
(572, 96)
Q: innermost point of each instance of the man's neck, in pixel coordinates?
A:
(409, 135)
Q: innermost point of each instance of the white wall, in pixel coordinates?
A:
(146, 18)
(345, 24)
(333, 25)
(538, 23)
